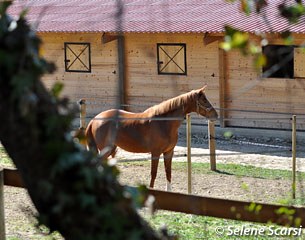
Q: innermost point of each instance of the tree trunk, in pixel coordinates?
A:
(72, 192)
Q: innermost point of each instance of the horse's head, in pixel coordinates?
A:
(203, 106)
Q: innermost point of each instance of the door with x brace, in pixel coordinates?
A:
(77, 57)
(171, 58)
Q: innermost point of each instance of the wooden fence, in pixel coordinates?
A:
(212, 145)
(198, 205)
(204, 206)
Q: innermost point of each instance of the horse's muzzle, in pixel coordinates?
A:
(212, 114)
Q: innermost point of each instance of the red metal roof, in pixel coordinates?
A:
(150, 16)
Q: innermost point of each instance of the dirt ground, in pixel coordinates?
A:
(266, 153)
(270, 153)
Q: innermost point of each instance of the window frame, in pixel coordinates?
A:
(67, 67)
(289, 64)
(159, 62)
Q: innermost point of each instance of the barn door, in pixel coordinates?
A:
(171, 58)
(77, 57)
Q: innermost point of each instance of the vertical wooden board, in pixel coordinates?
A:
(299, 62)
(212, 144)
(2, 216)
(222, 86)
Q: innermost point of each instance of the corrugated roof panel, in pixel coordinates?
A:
(150, 16)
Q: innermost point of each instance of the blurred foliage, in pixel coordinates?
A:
(73, 191)
(235, 39)
(292, 13)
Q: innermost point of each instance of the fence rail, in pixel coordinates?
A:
(211, 136)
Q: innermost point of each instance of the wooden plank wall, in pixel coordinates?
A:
(145, 87)
(247, 91)
(98, 87)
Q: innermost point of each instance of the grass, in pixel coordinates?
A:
(191, 227)
(238, 171)
(5, 161)
(200, 227)
(242, 171)
(41, 234)
(229, 169)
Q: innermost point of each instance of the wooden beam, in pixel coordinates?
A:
(122, 86)
(108, 37)
(212, 144)
(189, 154)
(12, 178)
(222, 56)
(228, 209)
(122, 73)
(2, 217)
(208, 39)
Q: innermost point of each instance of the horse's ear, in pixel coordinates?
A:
(204, 87)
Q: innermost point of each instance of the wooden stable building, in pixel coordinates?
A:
(168, 48)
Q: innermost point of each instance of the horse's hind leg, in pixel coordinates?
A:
(154, 169)
(168, 156)
(113, 151)
(108, 151)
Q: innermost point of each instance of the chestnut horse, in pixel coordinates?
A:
(153, 131)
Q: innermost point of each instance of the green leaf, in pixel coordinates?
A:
(136, 194)
(230, 31)
(234, 39)
(287, 38)
(240, 39)
(254, 49)
(293, 12)
(285, 211)
(225, 46)
(3, 7)
(57, 89)
(23, 13)
(260, 61)
(246, 6)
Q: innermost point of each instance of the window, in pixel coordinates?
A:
(171, 58)
(280, 62)
(77, 57)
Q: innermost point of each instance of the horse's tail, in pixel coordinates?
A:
(90, 142)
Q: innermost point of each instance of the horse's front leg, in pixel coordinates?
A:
(154, 168)
(168, 156)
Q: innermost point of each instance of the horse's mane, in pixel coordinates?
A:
(170, 104)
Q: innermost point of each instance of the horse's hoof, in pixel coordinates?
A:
(168, 186)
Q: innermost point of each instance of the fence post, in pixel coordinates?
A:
(212, 145)
(293, 149)
(82, 113)
(189, 160)
(2, 219)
